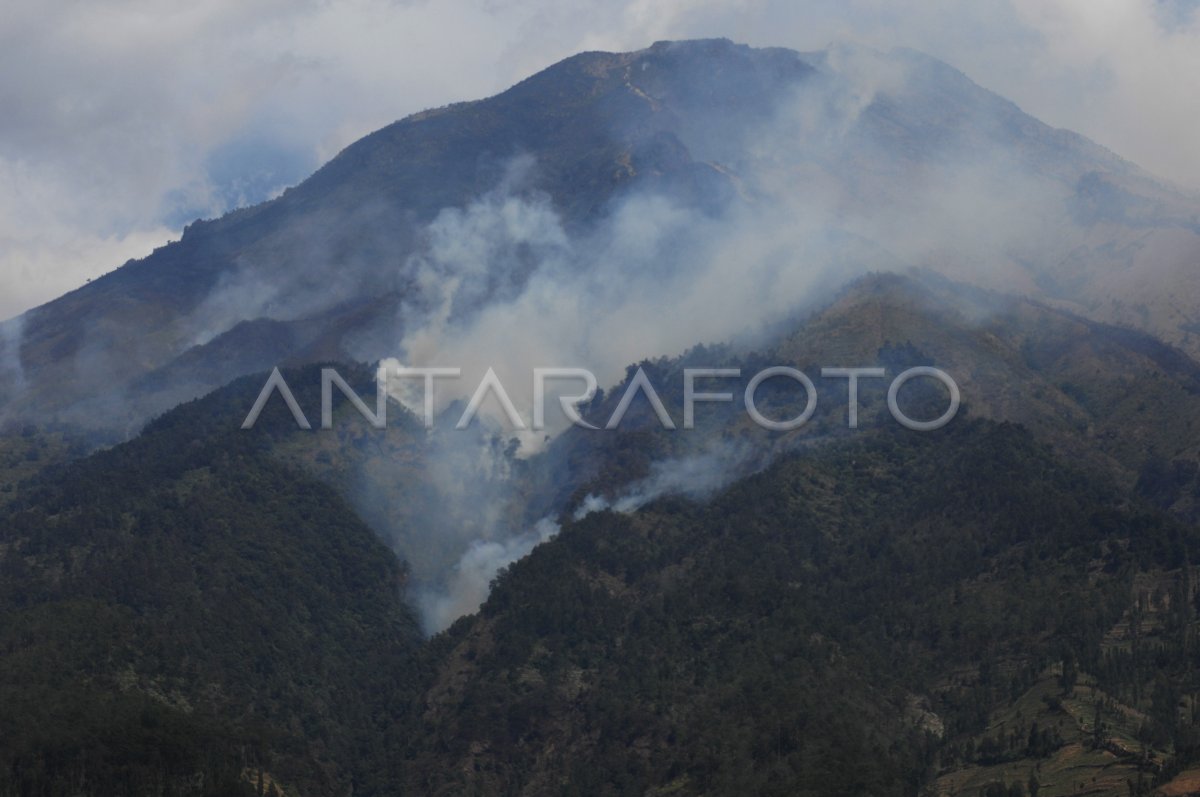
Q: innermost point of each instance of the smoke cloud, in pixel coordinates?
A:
(469, 582)
(12, 374)
(464, 587)
(696, 476)
(824, 191)
(841, 178)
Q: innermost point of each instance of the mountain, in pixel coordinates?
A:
(888, 160)
(1004, 605)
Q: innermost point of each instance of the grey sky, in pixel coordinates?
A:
(123, 119)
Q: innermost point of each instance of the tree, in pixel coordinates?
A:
(1069, 673)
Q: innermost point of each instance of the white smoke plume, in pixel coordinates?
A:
(12, 373)
(467, 586)
(504, 284)
(695, 476)
(464, 589)
(828, 187)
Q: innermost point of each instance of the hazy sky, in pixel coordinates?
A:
(121, 120)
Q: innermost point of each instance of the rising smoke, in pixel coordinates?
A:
(504, 283)
(12, 373)
(873, 163)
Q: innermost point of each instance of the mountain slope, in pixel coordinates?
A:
(832, 610)
(181, 610)
(823, 627)
(1116, 402)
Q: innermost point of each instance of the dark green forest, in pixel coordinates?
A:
(993, 608)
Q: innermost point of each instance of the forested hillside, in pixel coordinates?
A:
(182, 613)
(1006, 603)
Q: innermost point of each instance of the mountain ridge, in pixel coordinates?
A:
(349, 233)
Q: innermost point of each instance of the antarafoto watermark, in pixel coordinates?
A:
(490, 384)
